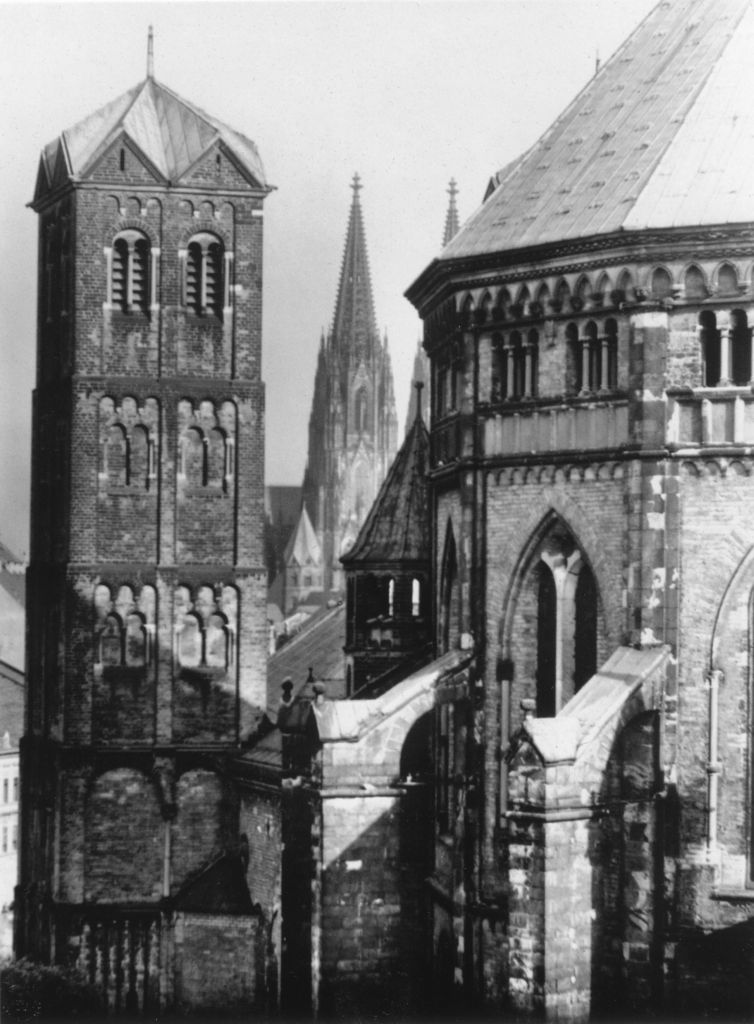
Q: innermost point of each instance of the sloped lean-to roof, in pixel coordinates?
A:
(662, 136)
(169, 132)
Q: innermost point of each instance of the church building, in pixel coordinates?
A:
(551, 818)
(353, 427)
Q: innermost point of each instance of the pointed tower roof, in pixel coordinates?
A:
(169, 133)
(451, 218)
(354, 317)
(397, 527)
(303, 547)
(662, 136)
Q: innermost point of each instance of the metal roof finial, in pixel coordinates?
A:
(418, 384)
(150, 53)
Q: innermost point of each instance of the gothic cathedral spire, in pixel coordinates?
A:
(451, 219)
(353, 424)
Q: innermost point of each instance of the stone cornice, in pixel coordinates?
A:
(443, 277)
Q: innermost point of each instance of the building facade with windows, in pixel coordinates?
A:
(147, 584)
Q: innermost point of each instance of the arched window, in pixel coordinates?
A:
(694, 284)
(129, 274)
(740, 347)
(611, 338)
(217, 642)
(547, 610)
(190, 642)
(111, 641)
(416, 597)
(450, 611)
(203, 280)
(574, 378)
(562, 295)
(116, 456)
(662, 285)
(727, 280)
(390, 597)
(592, 357)
(516, 377)
(709, 337)
(361, 410)
(216, 458)
(138, 470)
(136, 641)
(192, 458)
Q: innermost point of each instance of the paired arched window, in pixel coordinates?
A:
(126, 630)
(515, 365)
(726, 354)
(206, 458)
(593, 357)
(205, 627)
(128, 457)
(129, 273)
(204, 276)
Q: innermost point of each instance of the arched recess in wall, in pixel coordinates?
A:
(123, 843)
(731, 668)
(552, 618)
(202, 828)
(450, 593)
(361, 410)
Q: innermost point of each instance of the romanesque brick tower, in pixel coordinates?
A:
(147, 587)
(353, 426)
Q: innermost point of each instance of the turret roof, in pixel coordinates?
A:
(169, 132)
(397, 527)
(662, 136)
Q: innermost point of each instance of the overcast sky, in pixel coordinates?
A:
(409, 94)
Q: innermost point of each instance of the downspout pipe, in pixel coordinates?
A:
(713, 765)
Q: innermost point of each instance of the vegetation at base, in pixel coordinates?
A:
(39, 992)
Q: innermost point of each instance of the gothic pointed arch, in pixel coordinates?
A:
(552, 617)
(450, 593)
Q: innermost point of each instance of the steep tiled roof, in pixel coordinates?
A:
(397, 527)
(662, 136)
(170, 132)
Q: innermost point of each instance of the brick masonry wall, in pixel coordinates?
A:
(217, 962)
